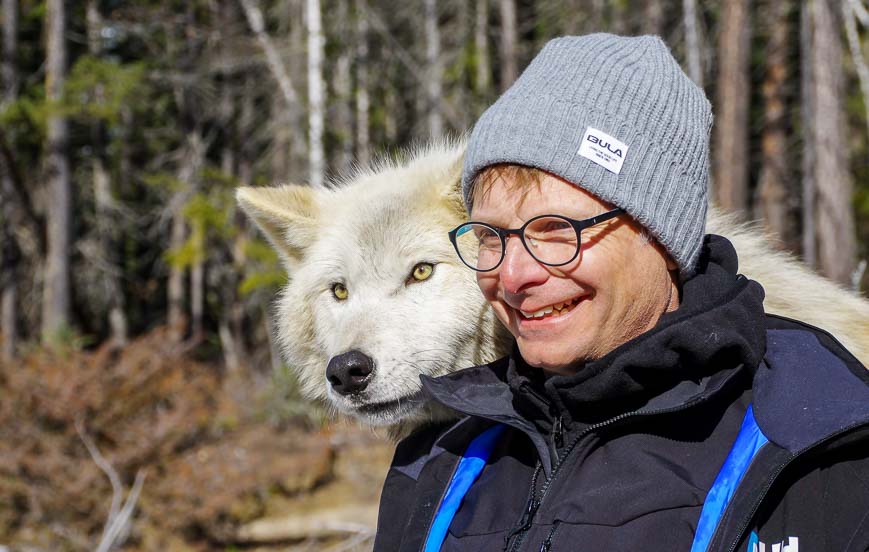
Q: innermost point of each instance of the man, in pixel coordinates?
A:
(649, 403)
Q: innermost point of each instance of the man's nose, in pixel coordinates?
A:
(519, 269)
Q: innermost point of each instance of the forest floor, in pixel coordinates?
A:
(216, 468)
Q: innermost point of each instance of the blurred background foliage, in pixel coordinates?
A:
(134, 297)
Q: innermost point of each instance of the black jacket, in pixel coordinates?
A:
(621, 455)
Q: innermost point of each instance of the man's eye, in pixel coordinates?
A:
(549, 228)
(486, 237)
(490, 240)
(555, 226)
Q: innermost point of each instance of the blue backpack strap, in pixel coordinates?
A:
(748, 442)
(466, 473)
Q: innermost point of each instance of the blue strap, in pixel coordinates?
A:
(745, 448)
(469, 469)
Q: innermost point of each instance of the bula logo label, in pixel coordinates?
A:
(604, 144)
(602, 149)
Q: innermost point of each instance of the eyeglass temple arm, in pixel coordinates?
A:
(601, 218)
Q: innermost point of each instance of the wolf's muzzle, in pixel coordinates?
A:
(350, 372)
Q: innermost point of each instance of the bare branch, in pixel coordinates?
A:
(118, 523)
(106, 467)
(276, 65)
(860, 11)
(118, 529)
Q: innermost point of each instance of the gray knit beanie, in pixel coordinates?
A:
(616, 116)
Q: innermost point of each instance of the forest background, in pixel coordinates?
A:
(136, 352)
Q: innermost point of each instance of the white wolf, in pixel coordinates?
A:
(377, 296)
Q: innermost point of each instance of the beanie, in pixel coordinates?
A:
(617, 117)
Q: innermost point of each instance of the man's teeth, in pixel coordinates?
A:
(558, 308)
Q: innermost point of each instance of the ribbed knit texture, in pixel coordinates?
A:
(630, 88)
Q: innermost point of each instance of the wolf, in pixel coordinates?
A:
(376, 296)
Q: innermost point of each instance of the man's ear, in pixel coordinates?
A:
(287, 215)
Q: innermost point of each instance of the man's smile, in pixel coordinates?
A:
(551, 311)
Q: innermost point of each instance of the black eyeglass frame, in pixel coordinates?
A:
(503, 233)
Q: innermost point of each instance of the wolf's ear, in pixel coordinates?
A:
(451, 186)
(287, 215)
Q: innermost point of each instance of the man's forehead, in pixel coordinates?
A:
(518, 192)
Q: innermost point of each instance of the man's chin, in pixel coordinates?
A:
(548, 358)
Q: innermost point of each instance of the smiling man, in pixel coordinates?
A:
(598, 296)
(649, 402)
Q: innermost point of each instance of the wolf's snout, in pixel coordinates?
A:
(350, 372)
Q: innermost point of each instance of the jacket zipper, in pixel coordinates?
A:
(531, 506)
(561, 460)
(547, 544)
(558, 434)
(771, 479)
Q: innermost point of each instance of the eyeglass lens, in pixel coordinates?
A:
(550, 240)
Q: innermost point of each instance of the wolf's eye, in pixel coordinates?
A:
(422, 271)
(339, 291)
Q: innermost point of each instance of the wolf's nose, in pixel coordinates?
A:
(350, 372)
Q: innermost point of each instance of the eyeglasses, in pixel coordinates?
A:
(552, 240)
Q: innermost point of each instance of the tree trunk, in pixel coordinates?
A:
(835, 217)
(807, 119)
(189, 169)
(56, 305)
(775, 195)
(653, 17)
(9, 67)
(483, 73)
(596, 17)
(8, 306)
(107, 224)
(234, 316)
(363, 140)
(177, 318)
(692, 41)
(247, 152)
(390, 115)
(228, 144)
(342, 122)
(10, 260)
(197, 285)
(731, 125)
(509, 39)
(281, 142)
(10, 252)
(316, 99)
(433, 74)
(459, 95)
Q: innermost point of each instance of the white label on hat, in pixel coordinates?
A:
(603, 149)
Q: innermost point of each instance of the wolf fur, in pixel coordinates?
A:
(369, 232)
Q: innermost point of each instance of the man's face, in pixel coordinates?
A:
(616, 288)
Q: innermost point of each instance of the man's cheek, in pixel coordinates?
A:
(488, 286)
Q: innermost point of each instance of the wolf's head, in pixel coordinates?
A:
(376, 294)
